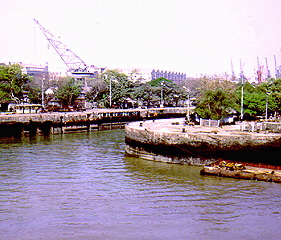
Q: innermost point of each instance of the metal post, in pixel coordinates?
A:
(188, 103)
(188, 107)
(242, 91)
(162, 97)
(242, 101)
(42, 86)
(110, 93)
(266, 107)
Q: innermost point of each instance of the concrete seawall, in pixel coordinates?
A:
(172, 141)
(60, 122)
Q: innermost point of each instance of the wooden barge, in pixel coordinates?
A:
(241, 171)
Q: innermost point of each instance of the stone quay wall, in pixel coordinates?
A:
(60, 122)
(173, 141)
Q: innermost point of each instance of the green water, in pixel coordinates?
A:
(83, 186)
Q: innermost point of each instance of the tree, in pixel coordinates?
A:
(172, 93)
(157, 82)
(68, 91)
(256, 97)
(272, 90)
(119, 85)
(216, 98)
(12, 82)
(98, 88)
(144, 93)
(214, 104)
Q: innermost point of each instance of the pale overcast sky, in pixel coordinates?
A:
(190, 36)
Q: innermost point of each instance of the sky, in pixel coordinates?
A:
(187, 36)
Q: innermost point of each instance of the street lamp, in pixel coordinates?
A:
(110, 93)
(242, 77)
(242, 98)
(266, 106)
(162, 97)
(188, 101)
(42, 88)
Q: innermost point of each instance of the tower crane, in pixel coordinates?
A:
(277, 72)
(259, 71)
(267, 69)
(76, 66)
(233, 74)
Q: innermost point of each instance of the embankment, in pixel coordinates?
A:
(62, 122)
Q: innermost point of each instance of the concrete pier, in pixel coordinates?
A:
(172, 141)
(96, 119)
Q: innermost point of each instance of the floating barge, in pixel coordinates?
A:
(241, 171)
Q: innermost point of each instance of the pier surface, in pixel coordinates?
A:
(174, 141)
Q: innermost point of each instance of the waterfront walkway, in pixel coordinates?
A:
(179, 126)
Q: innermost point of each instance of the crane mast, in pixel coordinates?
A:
(267, 69)
(74, 64)
(259, 72)
(233, 74)
(277, 73)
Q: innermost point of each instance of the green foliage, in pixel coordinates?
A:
(12, 82)
(145, 93)
(121, 88)
(98, 89)
(216, 98)
(68, 91)
(256, 96)
(150, 93)
(34, 94)
(214, 104)
(157, 82)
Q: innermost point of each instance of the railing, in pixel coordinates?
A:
(209, 123)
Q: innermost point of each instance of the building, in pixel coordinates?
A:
(176, 77)
(146, 75)
(36, 71)
(137, 74)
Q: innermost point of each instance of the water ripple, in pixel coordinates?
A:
(83, 186)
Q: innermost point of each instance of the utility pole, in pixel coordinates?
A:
(188, 103)
(42, 87)
(110, 92)
(162, 97)
(242, 91)
(266, 107)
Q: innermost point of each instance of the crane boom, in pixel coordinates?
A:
(71, 60)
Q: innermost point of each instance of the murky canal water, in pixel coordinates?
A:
(82, 186)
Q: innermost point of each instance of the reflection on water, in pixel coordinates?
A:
(83, 186)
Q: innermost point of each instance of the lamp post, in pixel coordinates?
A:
(42, 95)
(266, 106)
(242, 98)
(242, 77)
(188, 103)
(162, 95)
(110, 93)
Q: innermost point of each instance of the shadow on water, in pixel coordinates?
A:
(162, 171)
